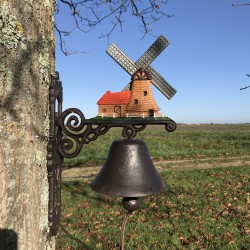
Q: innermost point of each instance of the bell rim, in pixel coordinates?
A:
(128, 193)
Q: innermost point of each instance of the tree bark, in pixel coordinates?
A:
(27, 56)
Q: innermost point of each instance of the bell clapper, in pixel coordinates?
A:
(131, 203)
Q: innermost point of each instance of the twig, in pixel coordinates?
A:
(241, 4)
(245, 87)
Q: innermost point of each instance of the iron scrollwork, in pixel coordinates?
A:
(69, 131)
(79, 131)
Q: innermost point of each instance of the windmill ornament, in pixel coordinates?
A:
(136, 99)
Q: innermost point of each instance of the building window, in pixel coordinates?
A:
(151, 113)
(135, 101)
(104, 110)
(145, 92)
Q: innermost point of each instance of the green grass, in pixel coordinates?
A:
(201, 209)
(187, 142)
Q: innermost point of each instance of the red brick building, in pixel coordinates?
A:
(113, 104)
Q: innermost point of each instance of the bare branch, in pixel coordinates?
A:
(140, 15)
(87, 14)
(62, 42)
(245, 87)
(241, 4)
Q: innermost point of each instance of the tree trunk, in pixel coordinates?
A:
(26, 64)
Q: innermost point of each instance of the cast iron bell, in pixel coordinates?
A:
(128, 172)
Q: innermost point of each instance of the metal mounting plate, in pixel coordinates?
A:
(54, 158)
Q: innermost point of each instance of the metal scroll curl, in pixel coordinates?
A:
(76, 132)
(130, 131)
(170, 126)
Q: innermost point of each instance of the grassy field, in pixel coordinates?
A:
(201, 209)
(187, 142)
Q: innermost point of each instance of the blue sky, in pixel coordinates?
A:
(206, 62)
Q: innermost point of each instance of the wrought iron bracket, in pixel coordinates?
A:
(69, 131)
(79, 131)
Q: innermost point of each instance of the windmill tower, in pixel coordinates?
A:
(141, 102)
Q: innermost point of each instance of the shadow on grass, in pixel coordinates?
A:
(82, 245)
(76, 188)
(79, 177)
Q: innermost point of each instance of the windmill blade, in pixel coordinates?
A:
(127, 87)
(122, 59)
(160, 83)
(154, 50)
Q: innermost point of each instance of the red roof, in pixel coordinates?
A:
(114, 98)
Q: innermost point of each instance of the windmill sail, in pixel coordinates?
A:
(144, 62)
(122, 59)
(153, 51)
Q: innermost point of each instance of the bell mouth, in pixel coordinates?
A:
(128, 171)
